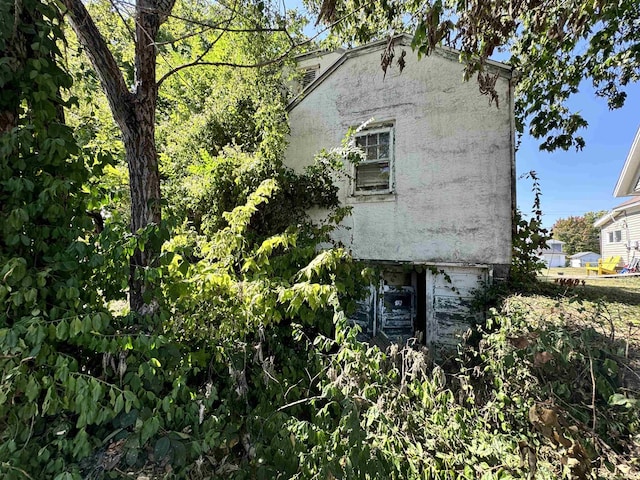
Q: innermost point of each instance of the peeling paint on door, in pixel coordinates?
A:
(449, 298)
(446, 296)
(397, 312)
(365, 314)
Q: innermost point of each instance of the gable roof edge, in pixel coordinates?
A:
(610, 216)
(405, 40)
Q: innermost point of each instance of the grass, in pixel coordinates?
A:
(570, 333)
(615, 300)
(610, 305)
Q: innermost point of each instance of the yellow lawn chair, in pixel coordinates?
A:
(604, 267)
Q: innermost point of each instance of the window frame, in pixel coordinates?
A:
(375, 129)
(615, 236)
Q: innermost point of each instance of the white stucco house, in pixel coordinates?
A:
(433, 201)
(620, 227)
(553, 255)
(580, 259)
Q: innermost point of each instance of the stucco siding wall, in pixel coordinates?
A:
(629, 225)
(453, 159)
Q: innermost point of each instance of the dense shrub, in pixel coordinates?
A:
(249, 368)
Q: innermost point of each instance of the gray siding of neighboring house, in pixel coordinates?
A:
(629, 226)
(581, 261)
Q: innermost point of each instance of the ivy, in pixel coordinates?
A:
(528, 239)
(50, 320)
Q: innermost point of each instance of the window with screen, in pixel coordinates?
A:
(309, 74)
(374, 173)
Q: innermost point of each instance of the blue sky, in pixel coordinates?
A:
(574, 182)
(577, 182)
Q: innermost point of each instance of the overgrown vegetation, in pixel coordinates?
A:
(529, 237)
(248, 368)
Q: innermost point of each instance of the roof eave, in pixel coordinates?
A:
(630, 171)
(405, 39)
(317, 53)
(611, 215)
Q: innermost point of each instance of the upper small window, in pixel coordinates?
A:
(374, 173)
(309, 75)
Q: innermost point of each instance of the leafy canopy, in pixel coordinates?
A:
(553, 44)
(579, 233)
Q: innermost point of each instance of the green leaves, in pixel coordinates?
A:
(53, 313)
(578, 233)
(552, 48)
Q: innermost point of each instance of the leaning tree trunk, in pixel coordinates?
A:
(134, 112)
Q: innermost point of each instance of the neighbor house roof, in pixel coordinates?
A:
(548, 251)
(583, 254)
(402, 39)
(630, 203)
(629, 180)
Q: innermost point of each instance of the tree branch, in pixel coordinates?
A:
(294, 46)
(124, 21)
(196, 63)
(102, 60)
(201, 56)
(220, 26)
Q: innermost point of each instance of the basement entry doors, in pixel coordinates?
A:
(436, 301)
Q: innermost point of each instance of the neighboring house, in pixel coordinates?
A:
(580, 259)
(553, 256)
(620, 228)
(432, 204)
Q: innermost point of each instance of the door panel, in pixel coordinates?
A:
(449, 297)
(397, 312)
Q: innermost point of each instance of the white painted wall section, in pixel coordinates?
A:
(453, 169)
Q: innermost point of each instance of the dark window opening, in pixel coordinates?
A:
(309, 75)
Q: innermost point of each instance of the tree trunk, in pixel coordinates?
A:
(134, 112)
(144, 184)
(140, 147)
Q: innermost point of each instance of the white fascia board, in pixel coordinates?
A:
(630, 171)
(611, 215)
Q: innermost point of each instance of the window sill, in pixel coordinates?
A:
(370, 197)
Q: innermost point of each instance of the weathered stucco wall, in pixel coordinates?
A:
(452, 199)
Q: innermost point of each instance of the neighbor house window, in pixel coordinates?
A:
(373, 174)
(615, 236)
